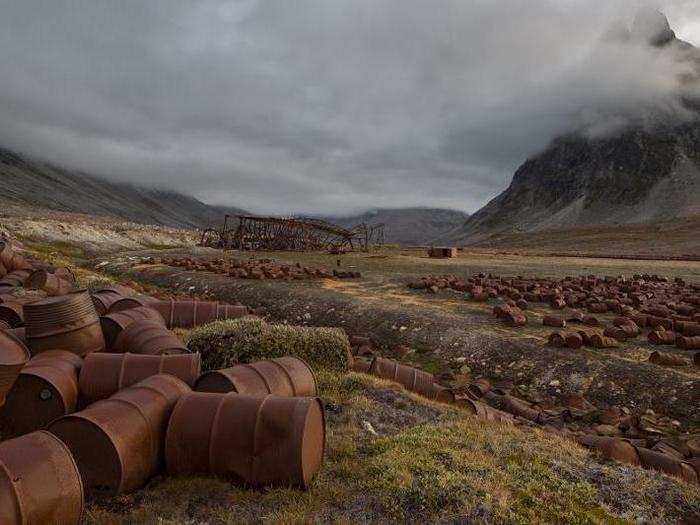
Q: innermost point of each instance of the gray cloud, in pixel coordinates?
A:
(324, 106)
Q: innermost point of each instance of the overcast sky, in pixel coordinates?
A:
(329, 106)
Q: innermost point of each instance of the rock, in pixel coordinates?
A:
(369, 428)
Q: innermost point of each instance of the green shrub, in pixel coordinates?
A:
(225, 343)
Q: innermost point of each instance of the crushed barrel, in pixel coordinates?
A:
(611, 448)
(653, 460)
(68, 322)
(659, 358)
(117, 442)
(51, 283)
(410, 378)
(39, 482)
(46, 389)
(258, 441)
(284, 376)
(104, 374)
(662, 337)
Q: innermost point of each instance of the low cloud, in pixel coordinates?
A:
(326, 106)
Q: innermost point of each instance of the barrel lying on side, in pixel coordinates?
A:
(13, 356)
(12, 313)
(188, 314)
(46, 389)
(284, 376)
(667, 359)
(113, 323)
(51, 283)
(611, 448)
(117, 442)
(104, 298)
(68, 322)
(149, 337)
(259, 441)
(104, 374)
(410, 378)
(39, 482)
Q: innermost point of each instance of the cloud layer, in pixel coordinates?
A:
(327, 106)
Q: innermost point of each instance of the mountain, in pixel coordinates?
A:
(29, 182)
(413, 226)
(643, 174)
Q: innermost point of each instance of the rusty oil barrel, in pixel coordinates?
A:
(485, 412)
(12, 313)
(104, 298)
(39, 482)
(553, 321)
(573, 340)
(479, 388)
(602, 341)
(13, 356)
(53, 284)
(667, 464)
(17, 278)
(11, 259)
(105, 374)
(283, 376)
(113, 323)
(556, 339)
(410, 378)
(664, 337)
(118, 442)
(129, 302)
(611, 448)
(149, 337)
(688, 329)
(258, 441)
(667, 359)
(361, 365)
(68, 322)
(689, 343)
(518, 407)
(188, 314)
(46, 389)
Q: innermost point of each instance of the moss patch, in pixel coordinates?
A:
(225, 343)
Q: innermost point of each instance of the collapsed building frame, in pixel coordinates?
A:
(292, 234)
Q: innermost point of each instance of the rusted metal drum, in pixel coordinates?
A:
(4, 325)
(664, 337)
(114, 323)
(68, 322)
(104, 374)
(515, 319)
(361, 365)
(46, 389)
(654, 321)
(554, 321)
(19, 333)
(13, 356)
(188, 314)
(10, 259)
(51, 283)
(284, 376)
(39, 482)
(133, 301)
(12, 313)
(259, 441)
(16, 278)
(667, 464)
(556, 339)
(573, 340)
(410, 378)
(696, 359)
(611, 448)
(148, 337)
(485, 412)
(689, 343)
(602, 341)
(117, 442)
(103, 299)
(667, 359)
(479, 387)
(688, 329)
(521, 408)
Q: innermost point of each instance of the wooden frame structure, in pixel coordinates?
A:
(292, 234)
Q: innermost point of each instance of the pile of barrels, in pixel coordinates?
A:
(668, 308)
(257, 269)
(678, 457)
(98, 395)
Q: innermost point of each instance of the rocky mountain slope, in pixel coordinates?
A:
(29, 182)
(412, 226)
(641, 175)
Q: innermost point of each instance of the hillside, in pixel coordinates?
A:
(37, 184)
(412, 226)
(644, 174)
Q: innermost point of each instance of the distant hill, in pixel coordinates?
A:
(413, 226)
(644, 174)
(35, 183)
